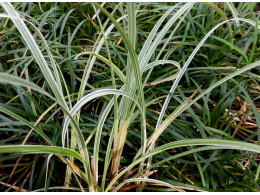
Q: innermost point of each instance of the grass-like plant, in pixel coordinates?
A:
(126, 99)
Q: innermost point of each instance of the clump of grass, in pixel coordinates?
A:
(100, 94)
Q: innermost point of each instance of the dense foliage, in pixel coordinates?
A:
(129, 96)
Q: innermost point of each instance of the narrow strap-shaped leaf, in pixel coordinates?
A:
(185, 66)
(147, 180)
(90, 97)
(14, 115)
(221, 13)
(22, 28)
(162, 62)
(190, 142)
(10, 79)
(233, 11)
(165, 79)
(115, 68)
(153, 33)
(231, 45)
(162, 33)
(6, 78)
(96, 48)
(37, 149)
(191, 151)
(188, 103)
(130, 49)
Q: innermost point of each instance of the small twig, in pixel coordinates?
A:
(14, 187)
